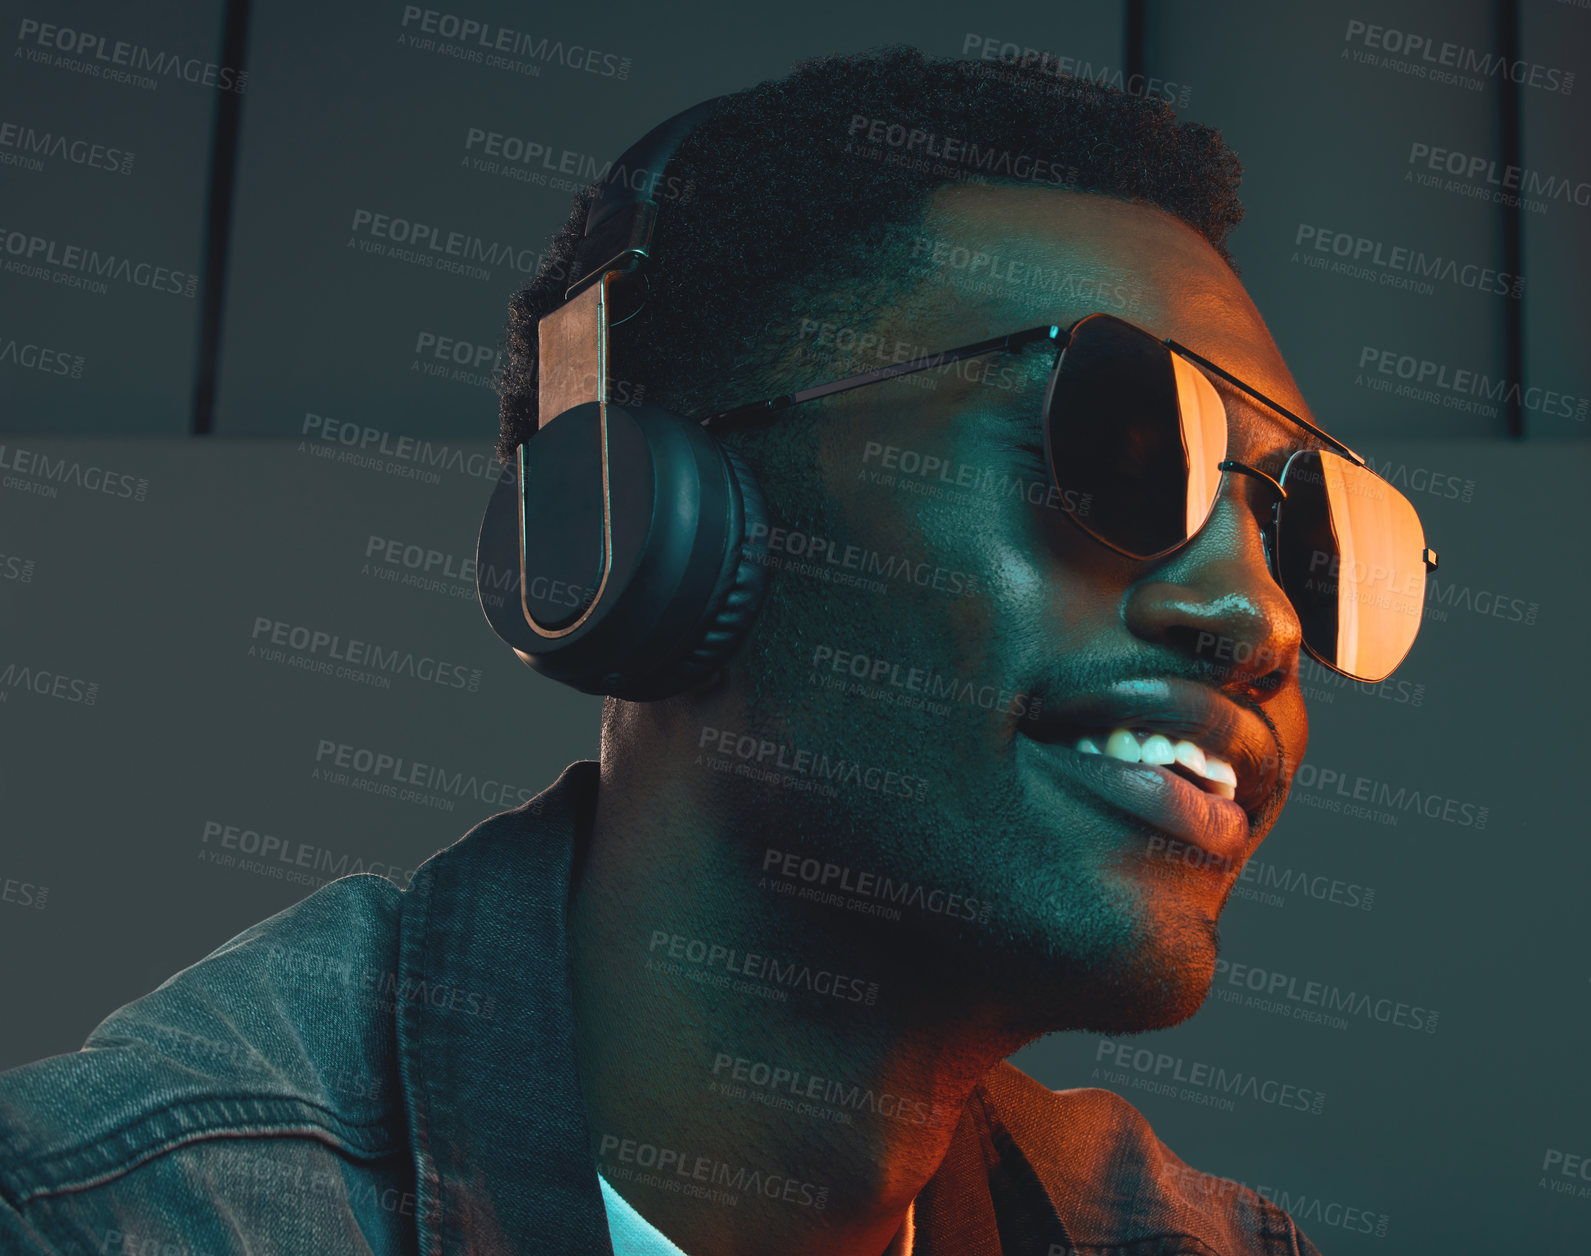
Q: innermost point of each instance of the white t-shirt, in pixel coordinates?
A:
(633, 1235)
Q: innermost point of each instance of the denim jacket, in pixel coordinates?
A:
(384, 1071)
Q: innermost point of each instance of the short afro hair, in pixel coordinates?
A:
(782, 207)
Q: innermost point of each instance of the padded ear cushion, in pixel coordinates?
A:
(741, 583)
(682, 586)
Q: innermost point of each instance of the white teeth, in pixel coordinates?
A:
(1160, 750)
(1220, 770)
(1220, 774)
(1157, 749)
(1124, 746)
(1190, 756)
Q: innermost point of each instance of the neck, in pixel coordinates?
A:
(760, 1073)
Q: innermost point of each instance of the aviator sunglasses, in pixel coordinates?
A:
(1131, 421)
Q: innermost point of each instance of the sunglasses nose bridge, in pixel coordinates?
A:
(1232, 464)
(1269, 525)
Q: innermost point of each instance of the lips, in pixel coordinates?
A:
(1092, 739)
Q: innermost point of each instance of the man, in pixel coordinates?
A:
(748, 984)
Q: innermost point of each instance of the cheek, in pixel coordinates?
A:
(967, 517)
(1047, 587)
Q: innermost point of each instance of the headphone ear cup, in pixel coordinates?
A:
(685, 571)
(741, 585)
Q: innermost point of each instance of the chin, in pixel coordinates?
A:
(1139, 1003)
(1161, 1009)
(1156, 974)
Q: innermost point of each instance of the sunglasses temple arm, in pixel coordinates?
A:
(1015, 340)
(1259, 396)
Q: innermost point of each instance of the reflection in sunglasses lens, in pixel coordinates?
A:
(1126, 423)
(1350, 557)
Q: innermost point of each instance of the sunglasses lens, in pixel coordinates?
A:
(1139, 432)
(1351, 559)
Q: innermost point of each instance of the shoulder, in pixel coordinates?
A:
(268, 1066)
(1078, 1141)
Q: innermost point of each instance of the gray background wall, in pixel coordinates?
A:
(136, 563)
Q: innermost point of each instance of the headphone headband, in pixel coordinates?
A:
(618, 233)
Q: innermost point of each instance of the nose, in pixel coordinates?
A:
(1214, 600)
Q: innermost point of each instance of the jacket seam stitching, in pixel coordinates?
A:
(332, 1128)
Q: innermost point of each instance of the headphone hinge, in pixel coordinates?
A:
(622, 241)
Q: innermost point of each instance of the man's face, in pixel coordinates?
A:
(1097, 886)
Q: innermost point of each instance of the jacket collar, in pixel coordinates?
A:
(486, 1040)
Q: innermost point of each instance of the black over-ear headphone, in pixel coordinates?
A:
(634, 533)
